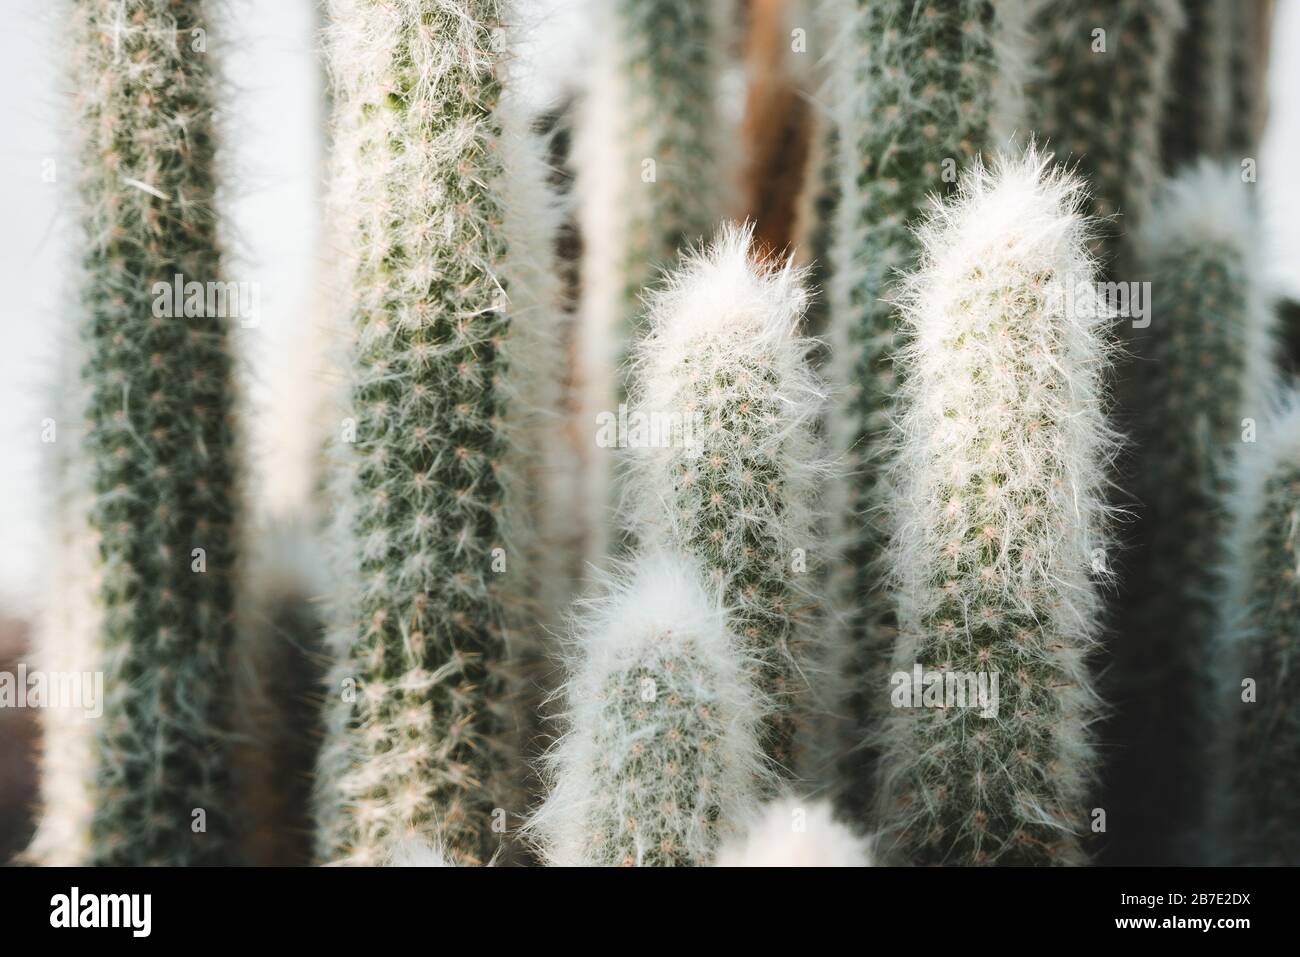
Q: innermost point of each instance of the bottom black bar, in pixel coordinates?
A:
(366, 907)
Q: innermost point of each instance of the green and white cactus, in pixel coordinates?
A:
(917, 91)
(731, 477)
(1203, 361)
(1257, 801)
(996, 517)
(159, 437)
(422, 738)
(661, 760)
(1102, 73)
(650, 179)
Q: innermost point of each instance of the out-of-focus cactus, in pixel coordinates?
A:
(421, 741)
(1257, 800)
(1195, 122)
(650, 178)
(67, 635)
(996, 512)
(661, 759)
(1202, 363)
(917, 90)
(731, 475)
(160, 448)
(1101, 76)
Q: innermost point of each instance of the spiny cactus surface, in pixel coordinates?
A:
(159, 432)
(996, 515)
(420, 737)
(661, 759)
(736, 487)
(917, 91)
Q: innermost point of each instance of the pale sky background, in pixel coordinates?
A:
(274, 173)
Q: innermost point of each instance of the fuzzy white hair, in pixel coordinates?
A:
(611, 802)
(997, 474)
(793, 832)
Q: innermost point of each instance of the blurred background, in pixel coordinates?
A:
(273, 188)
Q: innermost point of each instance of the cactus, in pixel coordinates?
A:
(649, 170)
(916, 89)
(159, 446)
(1251, 26)
(797, 833)
(1258, 802)
(1203, 358)
(997, 510)
(736, 487)
(1196, 122)
(66, 638)
(661, 759)
(429, 145)
(1098, 96)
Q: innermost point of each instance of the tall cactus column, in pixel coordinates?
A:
(419, 735)
(996, 512)
(159, 432)
(1103, 69)
(737, 489)
(1258, 801)
(1204, 362)
(917, 91)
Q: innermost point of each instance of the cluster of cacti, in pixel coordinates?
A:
(902, 650)
(917, 91)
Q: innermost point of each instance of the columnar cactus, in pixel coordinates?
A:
(1102, 75)
(420, 740)
(159, 436)
(661, 759)
(730, 476)
(1251, 25)
(649, 170)
(1197, 120)
(1258, 799)
(1203, 359)
(996, 516)
(917, 90)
